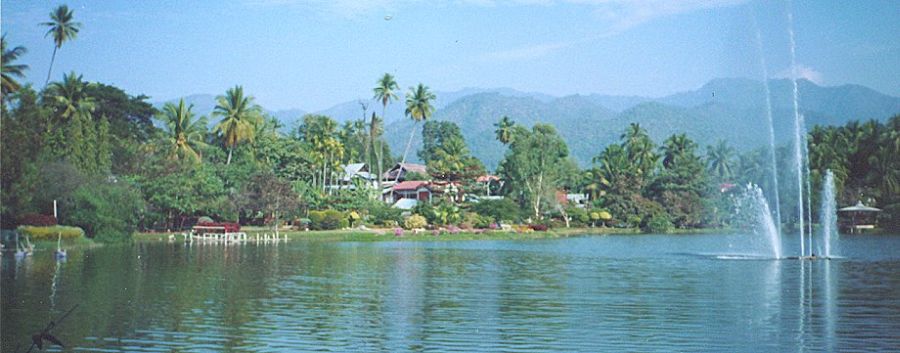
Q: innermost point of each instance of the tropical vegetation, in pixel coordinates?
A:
(115, 164)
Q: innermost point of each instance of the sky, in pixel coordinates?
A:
(317, 53)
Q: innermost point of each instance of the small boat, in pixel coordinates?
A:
(23, 251)
(60, 253)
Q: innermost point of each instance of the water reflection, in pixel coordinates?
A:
(653, 293)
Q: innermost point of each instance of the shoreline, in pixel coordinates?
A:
(382, 234)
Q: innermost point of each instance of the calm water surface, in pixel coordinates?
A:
(588, 294)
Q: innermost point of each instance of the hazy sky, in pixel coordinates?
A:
(313, 54)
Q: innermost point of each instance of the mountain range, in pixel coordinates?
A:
(732, 109)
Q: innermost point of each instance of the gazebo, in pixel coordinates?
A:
(857, 211)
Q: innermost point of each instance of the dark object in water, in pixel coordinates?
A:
(37, 339)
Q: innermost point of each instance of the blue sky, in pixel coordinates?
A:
(314, 54)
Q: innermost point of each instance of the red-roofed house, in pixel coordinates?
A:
(414, 189)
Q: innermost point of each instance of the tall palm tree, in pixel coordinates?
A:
(10, 70)
(675, 148)
(614, 169)
(239, 114)
(418, 108)
(639, 146)
(504, 130)
(63, 30)
(385, 91)
(719, 159)
(185, 136)
(70, 97)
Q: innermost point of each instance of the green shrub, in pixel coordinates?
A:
(50, 233)
(108, 212)
(633, 221)
(382, 214)
(415, 221)
(578, 216)
(328, 219)
(657, 223)
(474, 220)
(497, 210)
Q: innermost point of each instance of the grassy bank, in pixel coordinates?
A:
(388, 234)
(68, 244)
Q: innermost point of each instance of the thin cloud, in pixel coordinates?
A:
(802, 72)
(617, 16)
(340, 8)
(526, 52)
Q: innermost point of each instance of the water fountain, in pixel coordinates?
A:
(764, 220)
(828, 216)
(801, 161)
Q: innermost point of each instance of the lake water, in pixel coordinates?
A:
(601, 293)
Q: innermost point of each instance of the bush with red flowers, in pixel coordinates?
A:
(539, 227)
(36, 219)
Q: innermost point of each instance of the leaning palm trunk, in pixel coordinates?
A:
(230, 150)
(52, 58)
(403, 160)
(379, 153)
(409, 143)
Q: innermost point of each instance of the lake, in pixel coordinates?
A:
(652, 293)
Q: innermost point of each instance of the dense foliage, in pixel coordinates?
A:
(95, 150)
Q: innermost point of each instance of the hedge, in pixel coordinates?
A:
(50, 233)
(327, 220)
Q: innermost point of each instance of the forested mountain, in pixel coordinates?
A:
(731, 108)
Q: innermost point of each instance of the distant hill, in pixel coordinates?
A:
(731, 108)
(352, 110)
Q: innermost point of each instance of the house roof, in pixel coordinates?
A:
(357, 170)
(412, 167)
(408, 167)
(487, 178)
(354, 168)
(410, 185)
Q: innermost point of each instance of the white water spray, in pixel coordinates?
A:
(798, 137)
(763, 219)
(770, 121)
(805, 143)
(828, 216)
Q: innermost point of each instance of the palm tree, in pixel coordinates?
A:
(614, 170)
(675, 148)
(386, 91)
(185, 136)
(70, 97)
(239, 114)
(10, 70)
(418, 108)
(63, 30)
(719, 159)
(640, 148)
(504, 130)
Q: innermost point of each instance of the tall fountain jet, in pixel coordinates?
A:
(828, 217)
(774, 164)
(799, 139)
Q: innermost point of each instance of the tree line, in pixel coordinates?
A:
(117, 164)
